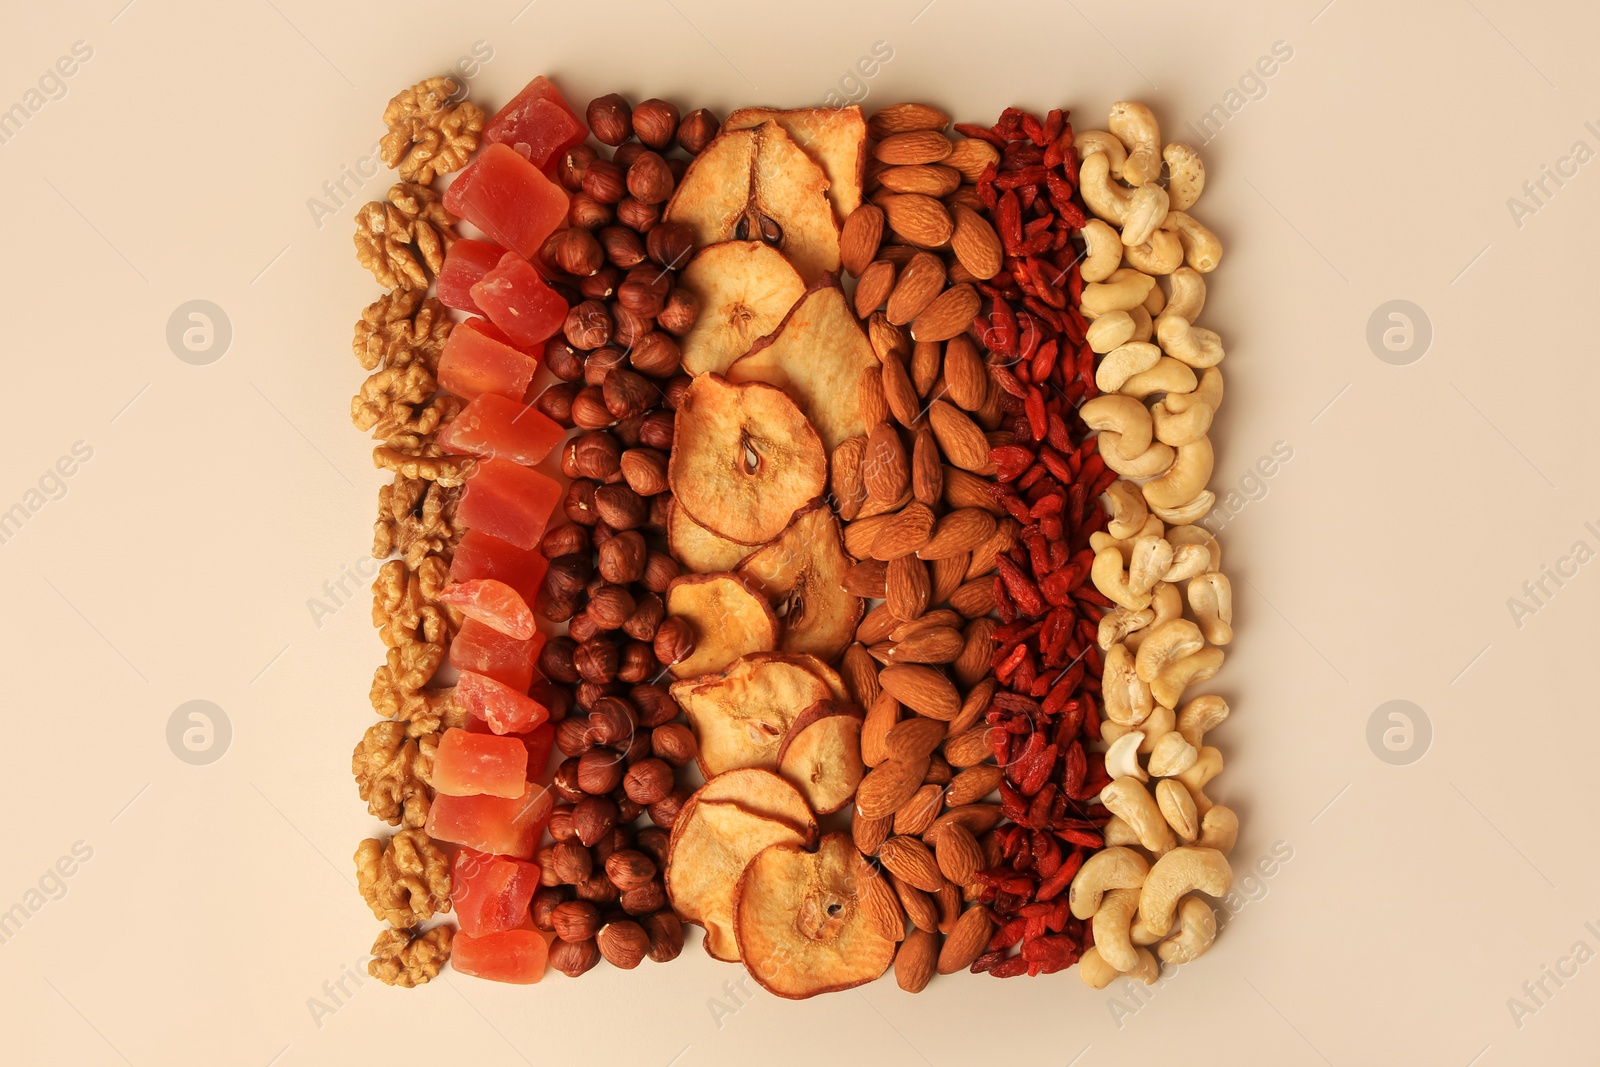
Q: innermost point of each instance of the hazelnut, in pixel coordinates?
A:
(624, 944)
(567, 575)
(621, 507)
(654, 704)
(601, 285)
(655, 431)
(564, 541)
(555, 403)
(644, 290)
(575, 163)
(573, 958)
(659, 571)
(597, 889)
(665, 931)
(572, 739)
(655, 122)
(654, 842)
(664, 812)
(623, 247)
(638, 662)
(650, 179)
(622, 557)
(673, 742)
(556, 609)
(560, 824)
(658, 355)
(612, 722)
(648, 781)
(564, 782)
(627, 394)
(670, 244)
(589, 694)
(596, 660)
(595, 454)
(584, 212)
(644, 899)
(557, 660)
(602, 361)
(556, 700)
(637, 215)
(677, 386)
(562, 359)
(675, 641)
(547, 869)
(627, 430)
(588, 325)
(593, 818)
(583, 627)
(605, 181)
(570, 860)
(577, 252)
(660, 513)
(575, 920)
(610, 119)
(579, 502)
(645, 470)
(599, 771)
(677, 315)
(627, 153)
(610, 607)
(697, 130)
(627, 809)
(630, 869)
(646, 618)
(589, 411)
(630, 326)
(545, 900)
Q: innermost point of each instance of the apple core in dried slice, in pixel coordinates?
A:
(801, 574)
(745, 288)
(729, 619)
(744, 459)
(741, 716)
(697, 548)
(801, 930)
(835, 137)
(821, 756)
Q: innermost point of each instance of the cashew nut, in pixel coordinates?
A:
(1166, 645)
(1219, 829)
(1171, 754)
(1140, 934)
(1124, 362)
(1125, 416)
(1186, 478)
(1101, 539)
(1102, 249)
(1118, 832)
(1111, 926)
(1135, 126)
(1177, 807)
(1151, 559)
(1097, 973)
(1166, 376)
(1108, 576)
(1160, 253)
(1194, 345)
(1127, 699)
(1119, 623)
(1108, 331)
(1190, 511)
(1169, 684)
(1207, 391)
(1091, 141)
(1182, 535)
(1152, 461)
(1131, 800)
(1158, 724)
(1122, 757)
(1172, 428)
(1143, 327)
(1128, 509)
(1188, 292)
(1167, 604)
(1188, 562)
(1108, 869)
(1211, 600)
(1101, 192)
(1201, 249)
(1186, 869)
(1200, 716)
(1116, 293)
(1147, 209)
(1205, 767)
(1186, 175)
(1196, 930)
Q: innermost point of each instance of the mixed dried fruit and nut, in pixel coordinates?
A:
(828, 491)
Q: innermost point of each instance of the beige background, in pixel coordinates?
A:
(1374, 165)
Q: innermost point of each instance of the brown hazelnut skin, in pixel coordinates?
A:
(599, 771)
(644, 899)
(624, 944)
(629, 869)
(561, 823)
(599, 364)
(612, 722)
(630, 326)
(637, 215)
(576, 251)
(574, 165)
(610, 607)
(545, 900)
(679, 312)
(562, 359)
(605, 181)
(656, 430)
(579, 502)
(653, 703)
(594, 818)
(665, 930)
(575, 920)
(672, 394)
(653, 842)
(638, 662)
(588, 325)
(589, 411)
(572, 864)
(564, 783)
(583, 628)
(621, 507)
(573, 958)
(698, 128)
(664, 812)
(627, 153)
(557, 659)
(628, 394)
(555, 403)
(597, 889)
(649, 780)
(670, 245)
(659, 571)
(673, 742)
(656, 354)
(595, 454)
(621, 558)
(610, 119)
(584, 212)
(572, 739)
(650, 179)
(624, 248)
(675, 641)
(596, 660)
(645, 470)
(646, 619)
(655, 122)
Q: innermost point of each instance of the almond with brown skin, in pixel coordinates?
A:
(881, 908)
(920, 284)
(859, 238)
(977, 646)
(887, 338)
(966, 379)
(959, 532)
(937, 644)
(929, 179)
(920, 908)
(918, 220)
(975, 243)
(912, 147)
(949, 314)
(984, 556)
(967, 941)
(860, 675)
(907, 587)
(889, 785)
(949, 901)
(869, 834)
(975, 598)
(903, 118)
(979, 818)
(975, 703)
(922, 689)
(969, 748)
(927, 359)
(885, 470)
(883, 714)
(866, 579)
(963, 489)
(918, 813)
(910, 860)
(877, 625)
(970, 155)
(873, 287)
(914, 738)
(973, 784)
(941, 617)
(901, 534)
(947, 574)
(904, 403)
(915, 963)
(960, 439)
(845, 480)
(956, 849)
(927, 470)
(863, 531)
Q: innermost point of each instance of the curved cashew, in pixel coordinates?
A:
(1194, 345)
(1097, 973)
(1196, 930)
(1128, 509)
(1147, 209)
(1207, 391)
(1151, 559)
(1135, 126)
(1158, 724)
(1102, 249)
(1101, 192)
(1219, 829)
(1108, 869)
(1182, 535)
(1131, 800)
(1211, 599)
(1108, 576)
(1147, 464)
(1140, 934)
(1108, 331)
(1190, 511)
(1186, 869)
(1128, 418)
(1127, 699)
(1200, 716)
(1124, 362)
(1091, 141)
(1201, 249)
(1166, 645)
(1177, 807)
(1116, 293)
(1143, 328)
(1205, 767)
(1186, 175)
(1160, 253)
(1167, 376)
(1172, 428)
(1100, 539)
(1188, 562)
(1119, 623)
(1112, 924)
(1188, 288)
(1122, 757)
(1171, 754)
(1118, 832)
(1167, 604)
(1186, 478)
(1169, 685)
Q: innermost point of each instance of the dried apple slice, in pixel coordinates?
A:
(729, 618)
(763, 793)
(758, 184)
(821, 357)
(697, 548)
(740, 716)
(821, 756)
(835, 137)
(801, 574)
(798, 918)
(745, 288)
(712, 842)
(744, 459)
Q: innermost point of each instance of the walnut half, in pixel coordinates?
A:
(428, 135)
(392, 772)
(405, 880)
(398, 958)
(403, 239)
(400, 327)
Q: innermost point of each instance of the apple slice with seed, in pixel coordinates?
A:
(745, 288)
(801, 574)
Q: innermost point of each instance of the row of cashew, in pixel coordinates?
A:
(1167, 842)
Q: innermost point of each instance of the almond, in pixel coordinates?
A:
(926, 362)
(984, 556)
(866, 579)
(912, 147)
(967, 941)
(920, 908)
(876, 626)
(907, 587)
(942, 617)
(904, 404)
(885, 470)
(909, 859)
(875, 506)
(859, 534)
(919, 812)
(927, 471)
(922, 689)
(873, 287)
(970, 156)
(869, 834)
(970, 748)
(947, 574)
(960, 531)
(915, 738)
(974, 598)
(902, 118)
(949, 901)
(919, 220)
(960, 858)
(963, 489)
(939, 772)
(966, 379)
(973, 784)
(916, 961)
(937, 644)
(993, 409)
(883, 714)
(929, 179)
(859, 238)
(977, 647)
(921, 282)
(960, 439)
(900, 534)
(888, 786)
(979, 818)
(974, 242)
(880, 907)
(887, 338)
(846, 482)
(860, 675)
(977, 701)
(950, 314)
